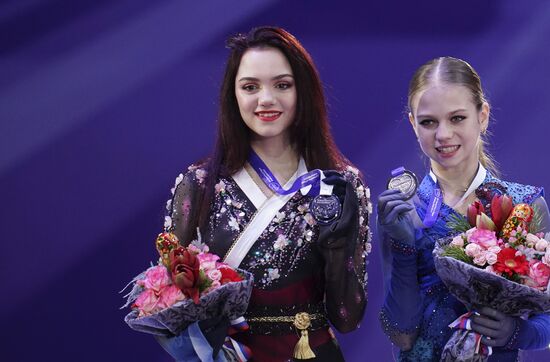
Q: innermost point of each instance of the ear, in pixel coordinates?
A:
(484, 116)
(413, 123)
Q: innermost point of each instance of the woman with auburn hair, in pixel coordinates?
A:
(261, 203)
(449, 115)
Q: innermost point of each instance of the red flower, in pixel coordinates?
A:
(186, 272)
(476, 208)
(229, 275)
(509, 263)
(501, 207)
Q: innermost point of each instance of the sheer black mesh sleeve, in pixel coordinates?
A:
(345, 258)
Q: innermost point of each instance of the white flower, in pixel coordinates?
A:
(280, 243)
(369, 207)
(368, 248)
(201, 174)
(546, 258)
(178, 180)
(167, 222)
(168, 204)
(280, 216)
(273, 273)
(541, 245)
(233, 224)
(531, 240)
(353, 170)
(309, 219)
(220, 186)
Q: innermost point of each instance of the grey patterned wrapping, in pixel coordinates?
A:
(230, 300)
(476, 287)
(461, 348)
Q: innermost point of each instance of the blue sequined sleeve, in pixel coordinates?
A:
(402, 309)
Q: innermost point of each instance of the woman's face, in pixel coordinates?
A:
(448, 125)
(266, 93)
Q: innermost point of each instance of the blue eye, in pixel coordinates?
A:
(427, 122)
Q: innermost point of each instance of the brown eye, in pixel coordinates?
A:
(249, 87)
(283, 85)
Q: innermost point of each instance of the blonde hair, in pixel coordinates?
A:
(455, 71)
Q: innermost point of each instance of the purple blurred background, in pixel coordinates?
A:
(103, 103)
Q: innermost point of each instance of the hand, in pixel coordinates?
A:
(495, 327)
(215, 331)
(393, 216)
(334, 235)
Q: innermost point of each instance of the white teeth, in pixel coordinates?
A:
(447, 149)
(273, 114)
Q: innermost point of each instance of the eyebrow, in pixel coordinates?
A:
(450, 113)
(248, 79)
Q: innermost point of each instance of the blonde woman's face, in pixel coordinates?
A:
(448, 125)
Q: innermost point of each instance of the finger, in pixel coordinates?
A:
(387, 196)
(489, 332)
(492, 313)
(388, 208)
(491, 342)
(399, 210)
(486, 322)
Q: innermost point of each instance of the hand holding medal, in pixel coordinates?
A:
(404, 181)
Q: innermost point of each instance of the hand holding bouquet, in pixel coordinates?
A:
(500, 259)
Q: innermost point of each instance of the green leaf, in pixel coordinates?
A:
(458, 223)
(536, 224)
(456, 252)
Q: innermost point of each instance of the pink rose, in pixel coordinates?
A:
(215, 275)
(473, 250)
(484, 238)
(156, 278)
(494, 249)
(170, 296)
(208, 261)
(480, 259)
(458, 241)
(491, 257)
(539, 273)
(146, 302)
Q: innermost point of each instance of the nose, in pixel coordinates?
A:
(266, 98)
(444, 131)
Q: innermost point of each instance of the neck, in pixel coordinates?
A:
(454, 181)
(279, 155)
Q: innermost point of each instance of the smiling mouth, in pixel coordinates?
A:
(268, 116)
(447, 149)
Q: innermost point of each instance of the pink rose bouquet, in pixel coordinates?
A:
(187, 285)
(499, 261)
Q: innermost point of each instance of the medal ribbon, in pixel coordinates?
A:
(312, 178)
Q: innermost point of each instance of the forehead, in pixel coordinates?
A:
(264, 62)
(442, 98)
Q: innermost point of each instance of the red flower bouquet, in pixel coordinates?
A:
(499, 261)
(187, 285)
